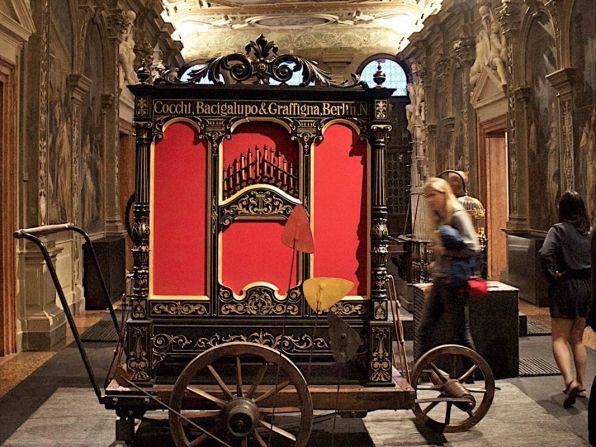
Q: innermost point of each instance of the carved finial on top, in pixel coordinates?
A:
(143, 73)
(379, 76)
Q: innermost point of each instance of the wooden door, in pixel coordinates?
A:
(497, 201)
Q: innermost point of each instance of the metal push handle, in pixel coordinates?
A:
(31, 234)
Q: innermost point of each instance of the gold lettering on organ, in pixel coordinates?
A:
(263, 108)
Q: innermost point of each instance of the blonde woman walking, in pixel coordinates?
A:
(456, 248)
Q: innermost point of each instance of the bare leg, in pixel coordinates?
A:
(561, 334)
(579, 350)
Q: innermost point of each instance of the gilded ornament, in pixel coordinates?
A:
(179, 308)
(380, 360)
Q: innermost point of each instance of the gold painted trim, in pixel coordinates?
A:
(220, 168)
(264, 186)
(180, 297)
(222, 203)
(251, 119)
(358, 130)
(248, 286)
(152, 295)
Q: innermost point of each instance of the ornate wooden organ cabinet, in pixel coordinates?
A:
(219, 168)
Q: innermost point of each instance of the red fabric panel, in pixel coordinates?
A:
(340, 204)
(260, 133)
(179, 213)
(251, 252)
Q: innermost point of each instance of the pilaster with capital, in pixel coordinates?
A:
(464, 49)
(448, 124)
(562, 82)
(431, 133)
(518, 166)
(79, 86)
(44, 83)
(139, 362)
(110, 110)
(379, 361)
(110, 106)
(509, 15)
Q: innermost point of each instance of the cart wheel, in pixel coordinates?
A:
(231, 392)
(454, 388)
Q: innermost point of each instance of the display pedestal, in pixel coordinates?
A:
(524, 270)
(494, 323)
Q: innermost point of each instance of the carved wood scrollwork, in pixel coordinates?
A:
(380, 361)
(259, 64)
(346, 308)
(142, 107)
(179, 308)
(256, 202)
(260, 300)
(290, 343)
(138, 358)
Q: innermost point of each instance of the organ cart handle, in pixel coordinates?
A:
(33, 234)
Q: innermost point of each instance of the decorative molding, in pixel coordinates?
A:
(44, 80)
(562, 82)
(178, 308)
(164, 343)
(142, 109)
(347, 308)
(257, 202)
(381, 109)
(464, 49)
(380, 355)
(138, 363)
(260, 300)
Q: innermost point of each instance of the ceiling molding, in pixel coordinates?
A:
(210, 28)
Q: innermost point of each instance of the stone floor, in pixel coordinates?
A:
(45, 399)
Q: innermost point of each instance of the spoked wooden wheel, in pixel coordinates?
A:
(232, 395)
(454, 388)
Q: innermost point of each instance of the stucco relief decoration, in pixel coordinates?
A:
(92, 136)
(543, 132)
(60, 150)
(583, 56)
(415, 110)
(491, 47)
(126, 55)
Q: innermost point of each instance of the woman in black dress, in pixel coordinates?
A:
(565, 255)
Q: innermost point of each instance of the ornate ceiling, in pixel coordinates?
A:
(213, 27)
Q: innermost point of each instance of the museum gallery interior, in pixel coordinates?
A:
(219, 207)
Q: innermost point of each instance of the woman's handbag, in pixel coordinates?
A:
(478, 286)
